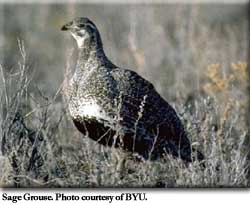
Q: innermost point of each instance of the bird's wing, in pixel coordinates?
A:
(143, 110)
(140, 97)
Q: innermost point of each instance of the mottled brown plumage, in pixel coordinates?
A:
(117, 107)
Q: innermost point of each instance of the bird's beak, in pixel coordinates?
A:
(65, 27)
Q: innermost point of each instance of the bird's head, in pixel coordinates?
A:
(84, 32)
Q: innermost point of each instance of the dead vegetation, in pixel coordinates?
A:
(41, 148)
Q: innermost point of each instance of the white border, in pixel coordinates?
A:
(172, 197)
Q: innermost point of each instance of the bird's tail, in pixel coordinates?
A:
(197, 155)
(188, 153)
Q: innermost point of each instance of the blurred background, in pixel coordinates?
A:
(169, 44)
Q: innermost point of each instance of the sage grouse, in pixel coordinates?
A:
(116, 107)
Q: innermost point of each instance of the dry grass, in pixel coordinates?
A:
(215, 122)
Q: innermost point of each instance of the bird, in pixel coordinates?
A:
(116, 107)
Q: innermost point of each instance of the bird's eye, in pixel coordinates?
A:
(82, 25)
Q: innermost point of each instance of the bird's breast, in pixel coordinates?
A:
(81, 108)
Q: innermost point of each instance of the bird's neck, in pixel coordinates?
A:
(92, 55)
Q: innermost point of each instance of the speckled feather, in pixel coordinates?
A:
(117, 107)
